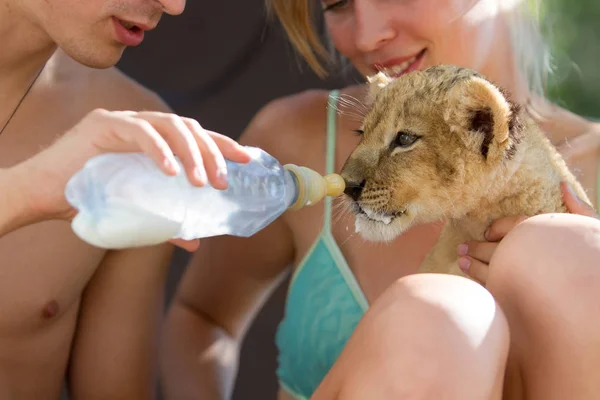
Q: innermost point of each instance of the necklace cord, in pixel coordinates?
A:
(22, 98)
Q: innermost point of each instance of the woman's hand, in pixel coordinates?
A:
(474, 257)
(159, 135)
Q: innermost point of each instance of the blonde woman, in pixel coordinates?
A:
(359, 324)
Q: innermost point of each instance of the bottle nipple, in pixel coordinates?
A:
(313, 187)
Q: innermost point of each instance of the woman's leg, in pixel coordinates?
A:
(427, 337)
(545, 274)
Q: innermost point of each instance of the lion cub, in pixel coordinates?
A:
(445, 143)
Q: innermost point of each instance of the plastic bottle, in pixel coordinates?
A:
(124, 200)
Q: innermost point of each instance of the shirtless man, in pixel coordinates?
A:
(68, 309)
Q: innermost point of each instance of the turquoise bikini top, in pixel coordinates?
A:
(324, 302)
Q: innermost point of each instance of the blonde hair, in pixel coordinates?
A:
(296, 17)
(532, 55)
(531, 49)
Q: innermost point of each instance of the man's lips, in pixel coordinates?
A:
(128, 24)
(128, 33)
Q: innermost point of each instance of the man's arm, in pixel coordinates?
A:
(115, 347)
(116, 344)
(14, 212)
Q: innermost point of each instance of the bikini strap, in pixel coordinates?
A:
(330, 154)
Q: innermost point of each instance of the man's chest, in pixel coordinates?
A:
(44, 269)
(45, 115)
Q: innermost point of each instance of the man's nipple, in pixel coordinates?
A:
(50, 310)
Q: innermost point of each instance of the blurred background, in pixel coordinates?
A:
(572, 29)
(219, 62)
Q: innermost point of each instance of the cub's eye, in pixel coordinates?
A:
(405, 139)
(358, 132)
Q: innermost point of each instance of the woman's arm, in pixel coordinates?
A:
(226, 283)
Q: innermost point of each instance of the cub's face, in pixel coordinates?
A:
(428, 136)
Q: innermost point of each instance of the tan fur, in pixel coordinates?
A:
(478, 158)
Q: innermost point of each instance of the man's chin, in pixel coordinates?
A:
(103, 59)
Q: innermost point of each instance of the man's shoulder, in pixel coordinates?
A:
(119, 91)
(109, 88)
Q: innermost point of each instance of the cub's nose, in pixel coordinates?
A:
(354, 189)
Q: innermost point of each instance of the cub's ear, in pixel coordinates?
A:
(376, 83)
(478, 107)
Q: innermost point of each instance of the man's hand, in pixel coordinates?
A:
(159, 135)
(474, 257)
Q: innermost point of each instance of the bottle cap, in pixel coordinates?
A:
(313, 187)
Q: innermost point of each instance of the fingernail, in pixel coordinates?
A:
(222, 173)
(463, 249)
(172, 165)
(200, 175)
(486, 234)
(464, 264)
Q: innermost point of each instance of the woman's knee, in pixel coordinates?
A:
(428, 335)
(545, 275)
(552, 258)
